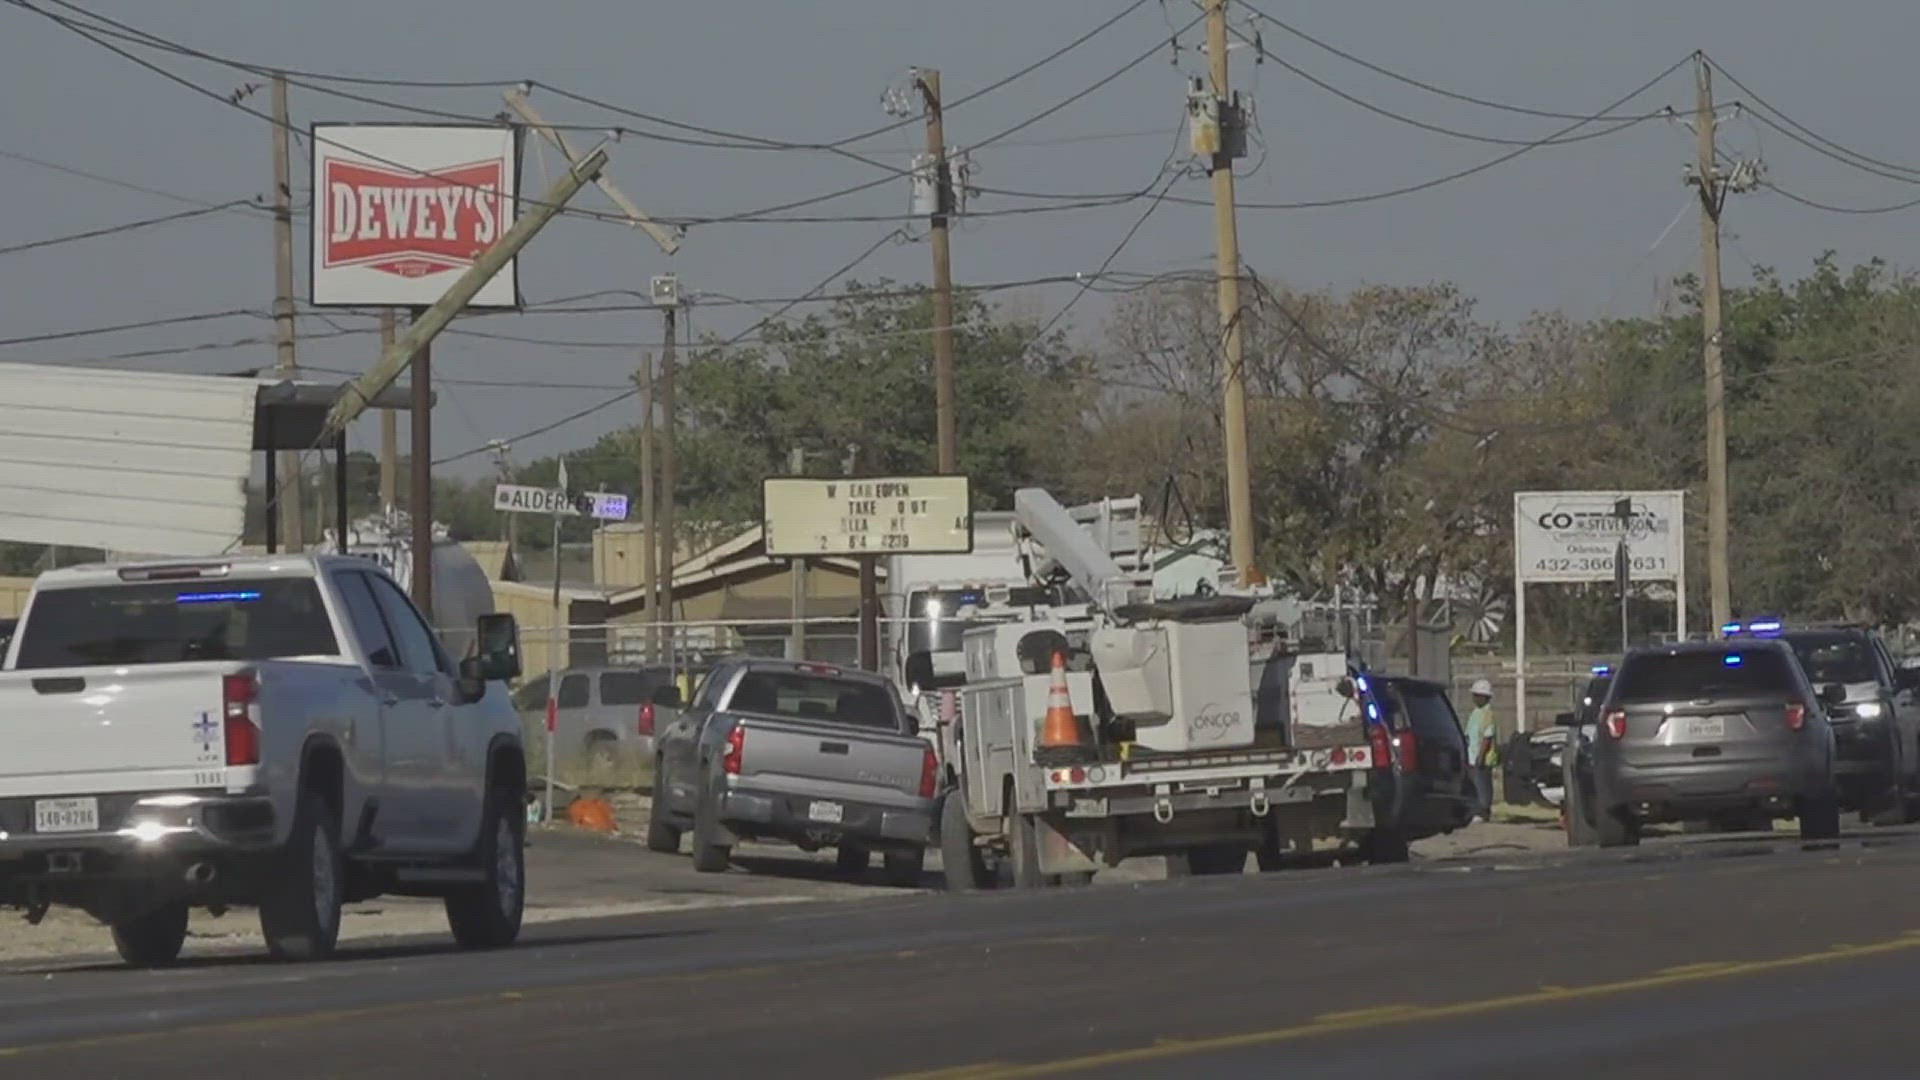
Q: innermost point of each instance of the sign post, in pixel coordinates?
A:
(560, 504)
(867, 517)
(1575, 537)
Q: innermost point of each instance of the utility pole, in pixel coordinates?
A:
(649, 516)
(292, 509)
(663, 543)
(797, 571)
(389, 433)
(420, 501)
(1225, 111)
(1711, 184)
(928, 81)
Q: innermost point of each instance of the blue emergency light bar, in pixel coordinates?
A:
(1756, 628)
(1602, 669)
(1732, 659)
(215, 597)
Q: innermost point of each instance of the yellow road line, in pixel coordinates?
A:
(1392, 1015)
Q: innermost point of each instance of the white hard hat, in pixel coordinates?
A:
(1482, 688)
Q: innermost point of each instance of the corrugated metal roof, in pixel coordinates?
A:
(127, 460)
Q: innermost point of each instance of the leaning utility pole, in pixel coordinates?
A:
(292, 496)
(1710, 182)
(1225, 111)
(928, 81)
(412, 346)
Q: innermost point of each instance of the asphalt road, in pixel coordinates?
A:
(1749, 957)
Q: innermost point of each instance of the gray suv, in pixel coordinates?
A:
(1711, 729)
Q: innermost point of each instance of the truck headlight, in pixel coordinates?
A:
(1869, 710)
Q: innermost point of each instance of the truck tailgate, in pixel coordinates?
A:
(106, 729)
(828, 760)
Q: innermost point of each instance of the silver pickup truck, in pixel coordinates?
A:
(806, 753)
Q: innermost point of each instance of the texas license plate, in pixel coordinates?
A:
(66, 815)
(1704, 727)
(829, 812)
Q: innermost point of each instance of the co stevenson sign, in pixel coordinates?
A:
(401, 210)
(1572, 536)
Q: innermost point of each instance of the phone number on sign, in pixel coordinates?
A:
(1598, 564)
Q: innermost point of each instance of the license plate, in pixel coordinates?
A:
(66, 815)
(829, 812)
(1704, 727)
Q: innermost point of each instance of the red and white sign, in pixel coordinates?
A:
(402, 210)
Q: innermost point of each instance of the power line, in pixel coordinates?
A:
(1831, 208)
(1834, 150)
(176, 320)
(1418, 84)
(631, 391)
(130, 226)
(127, 185)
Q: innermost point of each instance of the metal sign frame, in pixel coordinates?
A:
(1596, 568)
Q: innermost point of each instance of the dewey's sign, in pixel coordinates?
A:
(401, 210)
(898, 515)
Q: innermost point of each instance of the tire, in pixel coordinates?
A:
(487, 914)
(662, 834)
(300, 912)
(710, 856)
(154, 937)
(1580, 828)
(852, 860)
(1820, 818)
(1385, 846)
(960, 858)
(1076, 880)
(905, 867)
(1023, 852)
(1614, 830)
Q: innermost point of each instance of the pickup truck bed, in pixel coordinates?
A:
(803, 753)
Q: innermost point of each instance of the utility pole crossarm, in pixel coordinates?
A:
(435, 318)
(667, 238)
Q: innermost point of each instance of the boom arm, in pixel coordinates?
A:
(1070, 547)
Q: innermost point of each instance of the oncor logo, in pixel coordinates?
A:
(410, 224)
(1212, 724)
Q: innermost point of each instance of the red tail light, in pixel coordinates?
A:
(736, 748)
(1616, 723)
(646, 718)
(1796, 716)
(237, 694)
(1409, 748)
(929, 772)
(1381, 745)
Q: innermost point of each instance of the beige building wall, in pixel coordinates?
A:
(13, 595)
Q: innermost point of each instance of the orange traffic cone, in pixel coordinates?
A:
(1061, 741)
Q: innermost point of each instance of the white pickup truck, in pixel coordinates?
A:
(283, 732)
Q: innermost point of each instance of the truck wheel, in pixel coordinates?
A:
(1612, 829)
(300, 912)
(852, 859)
(662, 834)
(1580, 830)
(1208, 861)
(486, 915)
(152, 937)
(1023, 851)
(1385, 846)
(905, 867)
(960, 858)
(1820, 818)
(1075, 880)
(710, 856)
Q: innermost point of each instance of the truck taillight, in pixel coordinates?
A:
(736, 749)
(1381, 745)
(1796, 716)
(646, 718)
(1616, 724)
(1409, 751)
(930, 772)
(237, 694)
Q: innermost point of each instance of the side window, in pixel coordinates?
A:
(419, 652)
(1883, 660)
(711, 688)
(573, 692)
(369, 627)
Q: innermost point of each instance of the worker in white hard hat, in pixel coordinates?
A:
(1483, 751)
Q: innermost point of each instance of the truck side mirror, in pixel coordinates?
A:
(1566, 719)
(667, 696)
(1834, 694)
(498, 640)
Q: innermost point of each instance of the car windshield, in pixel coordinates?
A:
(1692, 675)
(1834, 658)
(798, 696)
(274, 618)
(1423, 708)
